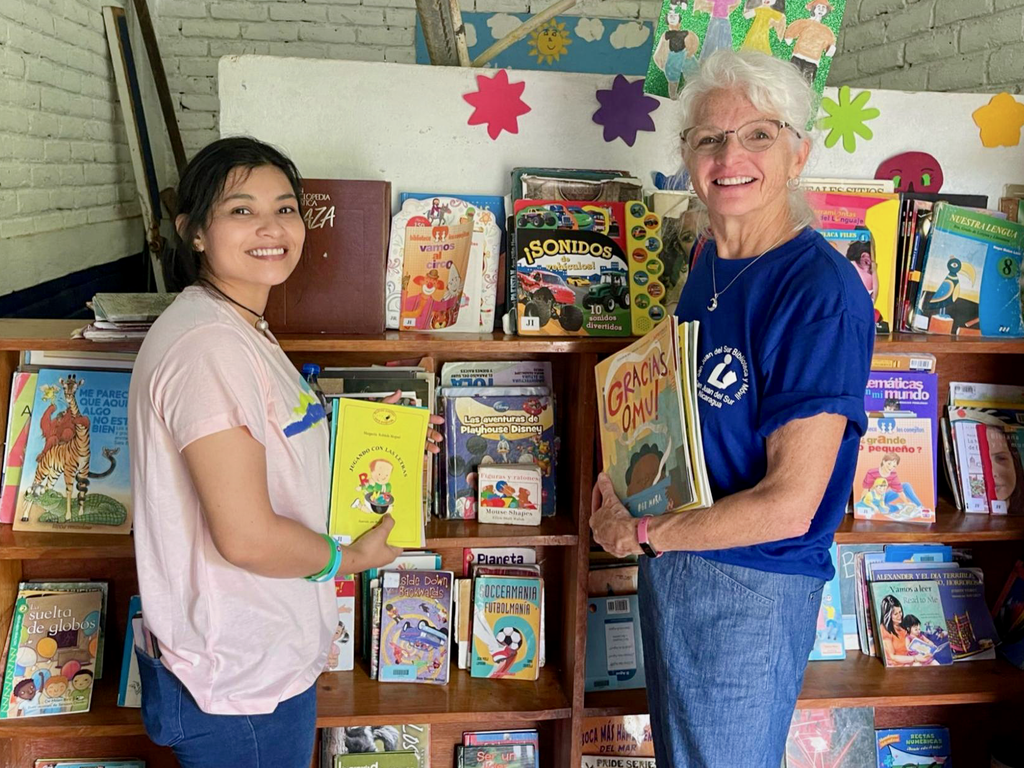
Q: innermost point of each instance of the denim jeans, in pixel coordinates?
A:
(725, 648)
(282, 739)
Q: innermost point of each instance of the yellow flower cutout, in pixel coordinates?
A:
(1000, 121)
(549, 42)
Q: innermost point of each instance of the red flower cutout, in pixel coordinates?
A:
(498, 104)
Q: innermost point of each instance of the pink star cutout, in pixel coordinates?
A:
(497, 104)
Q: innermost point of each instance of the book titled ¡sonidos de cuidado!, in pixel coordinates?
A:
(378, 470)
(643, 438)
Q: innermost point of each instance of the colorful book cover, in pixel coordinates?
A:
(990, 459)
(416, 561)
(626, 735)
(513, 425)
(51, 665)
(828, 635)
(846, 567)
(129, 692)
(415, 632)
(643, 443)
(895, 477)
(498, 756)
(496, 556)
(864, 229)
(910, 623)
(378, 470)
(376, 739)
(341, 657)
(972, 633)
(926, 746)
(19, 417)
(614, 761)
(506, 627)
(804, 34)
(510, 494)
(837, 738)
(490, 373)
(615, 657)
(46, 587)
(571, 275)
(504, 738)
(970, 282)
(76, 476)
(405, 759)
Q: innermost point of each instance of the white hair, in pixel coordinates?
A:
(775, 88)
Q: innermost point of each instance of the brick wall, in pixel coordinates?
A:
(934, 45)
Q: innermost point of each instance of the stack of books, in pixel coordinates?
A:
(388, 746)
(615, 657)
(124, 316)
(499, 749)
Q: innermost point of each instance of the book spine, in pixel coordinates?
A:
(12, 657)
(375, 602)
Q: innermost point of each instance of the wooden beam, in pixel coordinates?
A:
(523, 30)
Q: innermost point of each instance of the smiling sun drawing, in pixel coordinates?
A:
(549, 42)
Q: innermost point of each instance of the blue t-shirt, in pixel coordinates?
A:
(791, 338)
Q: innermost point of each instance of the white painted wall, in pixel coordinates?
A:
(408, 124)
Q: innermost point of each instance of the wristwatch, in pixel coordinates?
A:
(643, 538)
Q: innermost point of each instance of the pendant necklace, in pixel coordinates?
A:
(713, 304)
(260, 324)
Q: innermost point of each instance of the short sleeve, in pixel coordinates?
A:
(209, 381)
(820, 367)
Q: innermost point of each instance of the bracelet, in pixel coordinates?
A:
(329, 570)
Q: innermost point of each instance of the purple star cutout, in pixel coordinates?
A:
(625, 110)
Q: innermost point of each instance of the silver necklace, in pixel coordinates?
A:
(260, 324)
(713, 304)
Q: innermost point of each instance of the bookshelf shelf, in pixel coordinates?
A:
(352, 698)
(29, 545)
(557, 531)
(104, 718)
(950, 526)
(862, 681)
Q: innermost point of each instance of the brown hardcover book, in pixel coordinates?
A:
(338, 285)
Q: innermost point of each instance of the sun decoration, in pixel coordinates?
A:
(847, 119)
(550, 42)
(497, 103)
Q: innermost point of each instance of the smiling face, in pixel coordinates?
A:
(255, 234)
(737, 183)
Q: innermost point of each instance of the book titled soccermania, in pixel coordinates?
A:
(506, 627)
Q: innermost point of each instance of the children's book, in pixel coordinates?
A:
(378, 470)
(415, 631)
(19, 416)
(504, 738)
(487, 373)
(910, 624)
(989, 454)
(863, 228)
(496, 556)
(509, 494)
(828, 636)
(644, 444)
(970, 282)
(971, 631)
(846, 567)
(51, 659)
(506, 627)
(895, 477)
(416, 561)
(376, 740)
(129, 693)
(76, 476)
(497, 756)
(899, 395)
(500, 425)
(614, 761)
(615, 657)
(46, 587)
(925, 745)
(406, 759)
(627, 735)
(341, 657)
(838, 738)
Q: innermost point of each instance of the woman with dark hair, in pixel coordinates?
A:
(230, 479)
(893, 634)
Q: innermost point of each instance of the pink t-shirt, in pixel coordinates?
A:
(241, 643)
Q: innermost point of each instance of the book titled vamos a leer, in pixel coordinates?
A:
(650, 432)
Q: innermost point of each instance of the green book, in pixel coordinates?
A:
(406, 759)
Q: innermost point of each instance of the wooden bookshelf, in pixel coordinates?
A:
(556, 703)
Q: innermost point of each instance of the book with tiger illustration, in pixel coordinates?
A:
(76, 475)
(506, 627)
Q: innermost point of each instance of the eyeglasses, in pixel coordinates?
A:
(755, 136)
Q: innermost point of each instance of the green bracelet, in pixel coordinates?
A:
(333, 563)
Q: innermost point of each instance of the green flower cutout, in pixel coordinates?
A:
(847, 119)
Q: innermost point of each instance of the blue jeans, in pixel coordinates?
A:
(282, 739)
(725, 648)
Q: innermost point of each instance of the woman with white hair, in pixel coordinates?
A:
(786, 334)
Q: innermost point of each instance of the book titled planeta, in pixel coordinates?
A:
(378, 470)
(76, 477)
(51, 659)
(415, 627)
(506, 627)
(643, 438)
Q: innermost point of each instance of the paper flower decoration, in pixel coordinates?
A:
(625, 110)
(497, 104)
(1000, 121)
(847, 119)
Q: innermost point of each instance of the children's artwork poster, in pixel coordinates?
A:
(564, 44)
(803, 32)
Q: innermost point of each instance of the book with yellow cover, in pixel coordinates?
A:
(378, 470)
